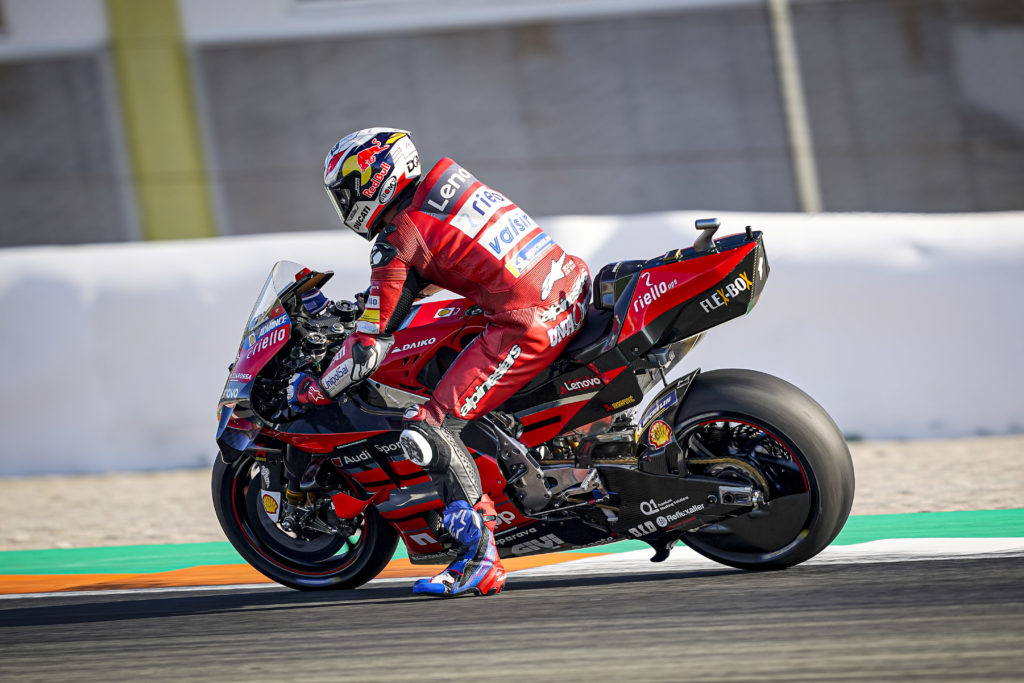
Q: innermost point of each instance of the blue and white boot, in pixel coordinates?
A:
(477, 570)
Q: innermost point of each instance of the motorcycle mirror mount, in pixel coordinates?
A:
(705, 244)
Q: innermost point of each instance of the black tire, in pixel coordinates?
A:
(780, 432)
(327, 562)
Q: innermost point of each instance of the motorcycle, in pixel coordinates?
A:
(742, 467)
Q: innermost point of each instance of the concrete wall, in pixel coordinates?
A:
(657, 105)
(912, 107)
(63, 177)
(900, 326)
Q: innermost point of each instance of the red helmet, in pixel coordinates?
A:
(365, 171)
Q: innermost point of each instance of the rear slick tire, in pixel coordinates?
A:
(323, 563)
(746, 423)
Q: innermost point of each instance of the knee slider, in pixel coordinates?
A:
(416, 447)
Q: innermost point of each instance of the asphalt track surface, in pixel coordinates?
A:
(955, 620)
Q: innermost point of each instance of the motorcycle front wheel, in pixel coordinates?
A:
(310, 561)
(766, 433)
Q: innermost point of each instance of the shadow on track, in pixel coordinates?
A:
(121, 607)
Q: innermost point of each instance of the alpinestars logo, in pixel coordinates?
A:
(471, 402)
(556, 273)
(554, 310)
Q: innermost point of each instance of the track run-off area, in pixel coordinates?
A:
(931, 596)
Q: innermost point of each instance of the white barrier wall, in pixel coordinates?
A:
(902, 326)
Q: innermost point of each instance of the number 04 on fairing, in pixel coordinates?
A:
(743, 467)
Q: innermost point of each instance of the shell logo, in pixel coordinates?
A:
(269, 504)
(660, 434)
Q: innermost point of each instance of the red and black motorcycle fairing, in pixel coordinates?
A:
(563, 462)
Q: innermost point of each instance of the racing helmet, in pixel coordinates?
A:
(365, 171)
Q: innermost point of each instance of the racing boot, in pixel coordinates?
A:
(477, 569)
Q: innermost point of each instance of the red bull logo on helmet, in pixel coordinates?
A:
(369, 155)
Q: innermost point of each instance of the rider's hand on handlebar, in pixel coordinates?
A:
(314, 301)
(304, 391)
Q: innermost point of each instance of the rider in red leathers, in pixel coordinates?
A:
(448, 230)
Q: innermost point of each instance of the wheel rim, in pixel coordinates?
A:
(742, 449)
(322, 556)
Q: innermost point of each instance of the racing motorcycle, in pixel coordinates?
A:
(740, 466)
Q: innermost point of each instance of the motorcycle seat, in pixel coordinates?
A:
(588, 342)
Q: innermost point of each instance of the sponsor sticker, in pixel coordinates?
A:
(546, 542)
(568, 325)
(388, 190)
(376, 180)
(274, 337)
(448, 312)
(507, 232)
(349, 459)
(656, 409)
(446, 192)
(412, 346)
(723, 295)
(660, 434)
(581, 384)
(336, 374)
(664, 520)
(561, 306)
(530, 254)
(272, 325)
(271, 504)
(554, 275)
(618, 405)
(654, 291)
(470, 403)
(478, 210)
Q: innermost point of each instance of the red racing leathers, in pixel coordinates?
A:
(460, 235)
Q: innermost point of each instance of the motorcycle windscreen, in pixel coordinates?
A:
(266, 330)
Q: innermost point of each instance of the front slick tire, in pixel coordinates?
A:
(763, 431)
(313, 562)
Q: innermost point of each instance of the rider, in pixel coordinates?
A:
(448, 230)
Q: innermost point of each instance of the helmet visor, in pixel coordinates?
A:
(342, 201)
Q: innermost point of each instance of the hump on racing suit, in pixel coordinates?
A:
(462, 235)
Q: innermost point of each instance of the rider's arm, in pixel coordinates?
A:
(393, 288)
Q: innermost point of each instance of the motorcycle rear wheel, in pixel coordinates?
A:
(764, 432)
(324, 562)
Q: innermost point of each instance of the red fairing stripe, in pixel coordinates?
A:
(564, 412)
(323, 443)
(411, 510)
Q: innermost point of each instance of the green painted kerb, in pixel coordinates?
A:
(144, 559)
(160, 120)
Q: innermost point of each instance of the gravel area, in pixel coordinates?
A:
(175, 507)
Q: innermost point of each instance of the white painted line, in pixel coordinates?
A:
(893, 550)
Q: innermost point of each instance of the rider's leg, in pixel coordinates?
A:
(512, 350)
(500, 361)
